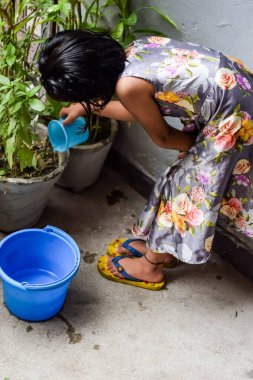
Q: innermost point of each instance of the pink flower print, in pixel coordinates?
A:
(194, 216)
(235, 204)
(188, 53)
(181, 204)
(240, 222)
(197, 194)
(228, 211)
(241, 179)
(231, 124)
(210, 131)
(168, 208)
(243, 82)
(225, 78)
(156, 40)
(204, 178)
(224, 142)
(241, 167)
(165, 220)
(181, 60)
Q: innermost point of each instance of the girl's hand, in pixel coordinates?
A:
(71, 112)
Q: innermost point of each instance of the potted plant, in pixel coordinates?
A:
(86, 160)
(28, 167)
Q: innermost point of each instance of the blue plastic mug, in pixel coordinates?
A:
(64, 137)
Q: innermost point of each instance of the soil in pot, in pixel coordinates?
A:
(47, 162)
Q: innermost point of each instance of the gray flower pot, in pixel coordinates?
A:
(22, 201)
(85, 163)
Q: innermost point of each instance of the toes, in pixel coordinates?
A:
(113, 269)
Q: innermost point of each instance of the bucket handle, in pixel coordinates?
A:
(63, 234)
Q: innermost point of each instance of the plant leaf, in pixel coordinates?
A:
(4, 80)
(131, 20)
(36, 105)
(118, 31)
(150, 31)
(34, 90)
(16, 107)
(25, 156)
(10, 60)
(10, 149)
(162, 14)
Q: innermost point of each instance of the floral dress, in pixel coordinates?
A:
(212, 94)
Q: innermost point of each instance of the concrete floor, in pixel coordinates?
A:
(198, 327)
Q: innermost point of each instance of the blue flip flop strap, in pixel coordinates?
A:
(133, 250)
(121, 270)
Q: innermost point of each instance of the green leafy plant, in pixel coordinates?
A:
(126, 29)
(19, 89)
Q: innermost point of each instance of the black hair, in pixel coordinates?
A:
(81, 66)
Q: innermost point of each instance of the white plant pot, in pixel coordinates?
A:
(85, 163)
(22, 201)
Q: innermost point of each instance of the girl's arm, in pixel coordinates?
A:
(137, 96)
(136, 103)
(114, 109)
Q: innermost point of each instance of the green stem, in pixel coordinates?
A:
(79, 12)
(5, 16)
(31, 37)
(23, 19)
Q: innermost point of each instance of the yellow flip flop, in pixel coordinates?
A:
(113, 245)
(129, 280)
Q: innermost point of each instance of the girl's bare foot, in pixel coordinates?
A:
(147, 268)
(141, 247)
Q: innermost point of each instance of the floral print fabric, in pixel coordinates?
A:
(212, 94)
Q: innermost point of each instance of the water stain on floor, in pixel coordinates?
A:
(88, 257)
(29, 328)
(115, 197)
(142, 307)
(71, 331)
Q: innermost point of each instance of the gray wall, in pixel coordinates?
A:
(224, 25)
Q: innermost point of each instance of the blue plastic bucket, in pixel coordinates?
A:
(36, 268)
(64, 137)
